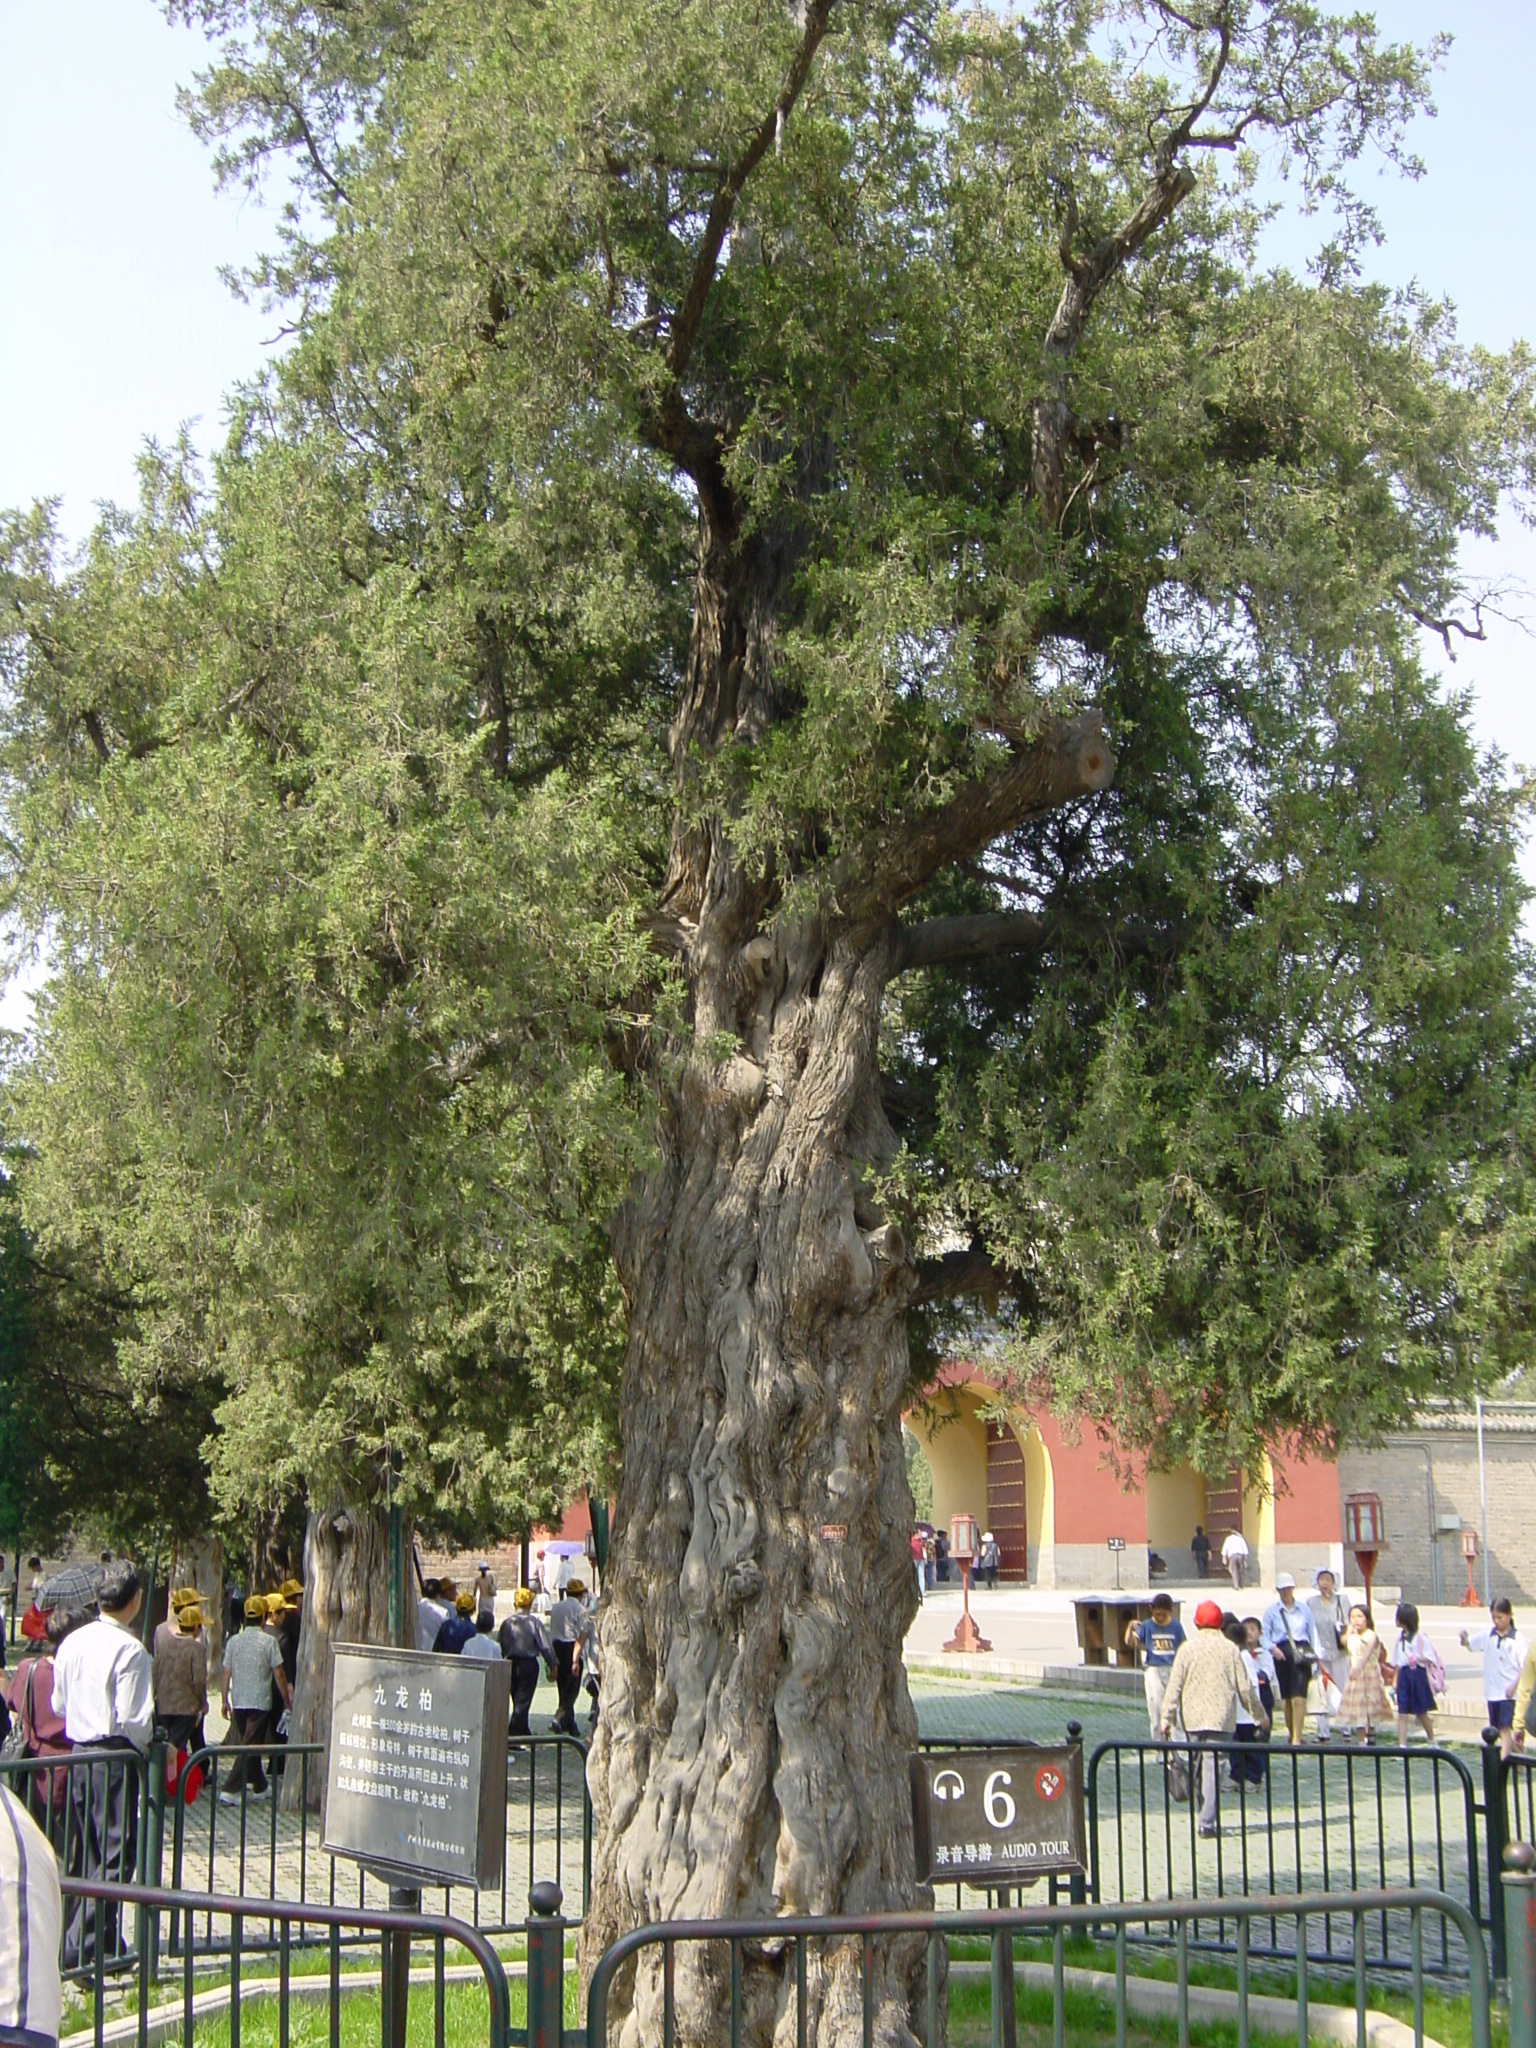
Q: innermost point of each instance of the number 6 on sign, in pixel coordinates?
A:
(998, 1805)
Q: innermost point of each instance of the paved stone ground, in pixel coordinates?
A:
(1031, 1628)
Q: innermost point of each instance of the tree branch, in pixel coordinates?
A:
(948, 941)
(469, 1058)
(1443, 628)
(1072, 758)
(972, 1271)
(1087, 276)
(307, 137)
(91, 720)
(723, 206)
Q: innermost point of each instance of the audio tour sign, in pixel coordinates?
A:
(991, 1817)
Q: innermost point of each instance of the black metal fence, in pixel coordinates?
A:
(763, 1978)
(391, 1934)
(60, 1794)
(238, 1836)
(263, 1841)
(1314, 1819)
(773, 1976)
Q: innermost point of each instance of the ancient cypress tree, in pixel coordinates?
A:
(822, 665)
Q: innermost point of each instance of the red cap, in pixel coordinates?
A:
(1207, 1615)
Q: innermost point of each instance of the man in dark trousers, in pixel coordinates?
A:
(103, 1686)
(1200, 1551)
(525, 1644)
(253, 1666)
(569, 1627)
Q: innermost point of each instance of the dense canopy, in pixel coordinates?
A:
(341, 786)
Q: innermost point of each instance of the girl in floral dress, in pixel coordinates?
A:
(1365, 1705)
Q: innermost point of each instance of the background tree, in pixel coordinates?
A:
(804, 618)
(271, 1080)
(82, 1451)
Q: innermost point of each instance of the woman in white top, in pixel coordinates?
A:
(1503, 1649)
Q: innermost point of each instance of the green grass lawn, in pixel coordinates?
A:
(1447, 2014)
(1447, 2017)
(465, 2015)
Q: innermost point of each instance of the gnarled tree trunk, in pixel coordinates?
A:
(755, 1708)
(346, 1600)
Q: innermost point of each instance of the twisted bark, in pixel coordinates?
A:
(761, 1584)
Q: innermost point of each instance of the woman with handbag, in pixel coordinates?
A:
(1290, 1635)
(37, 1728)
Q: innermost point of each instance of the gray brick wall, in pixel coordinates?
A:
(1428, 1482)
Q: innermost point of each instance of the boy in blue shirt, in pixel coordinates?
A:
(1159, 1640)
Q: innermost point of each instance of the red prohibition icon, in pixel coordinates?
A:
(1049, 1782)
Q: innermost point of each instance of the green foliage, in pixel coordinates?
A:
(340, 789)
(80, 1449)
(321, 1067)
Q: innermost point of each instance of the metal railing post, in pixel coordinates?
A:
(1004, 2010)
(1519, 1875)
(546, 1967)
(152, 1873)
(1077, 1886)
(1496, 1840)
(403, 1899)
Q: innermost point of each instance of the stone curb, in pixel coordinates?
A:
(1156, 1998)
(982, 1668)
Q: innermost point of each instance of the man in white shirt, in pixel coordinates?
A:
(31, 1915)
(103, 1687)
(1234, 1555)
(483, 1643)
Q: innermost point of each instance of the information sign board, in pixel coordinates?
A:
(416, 1767)
(990, 1817)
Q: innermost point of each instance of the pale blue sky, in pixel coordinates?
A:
(114, 323)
